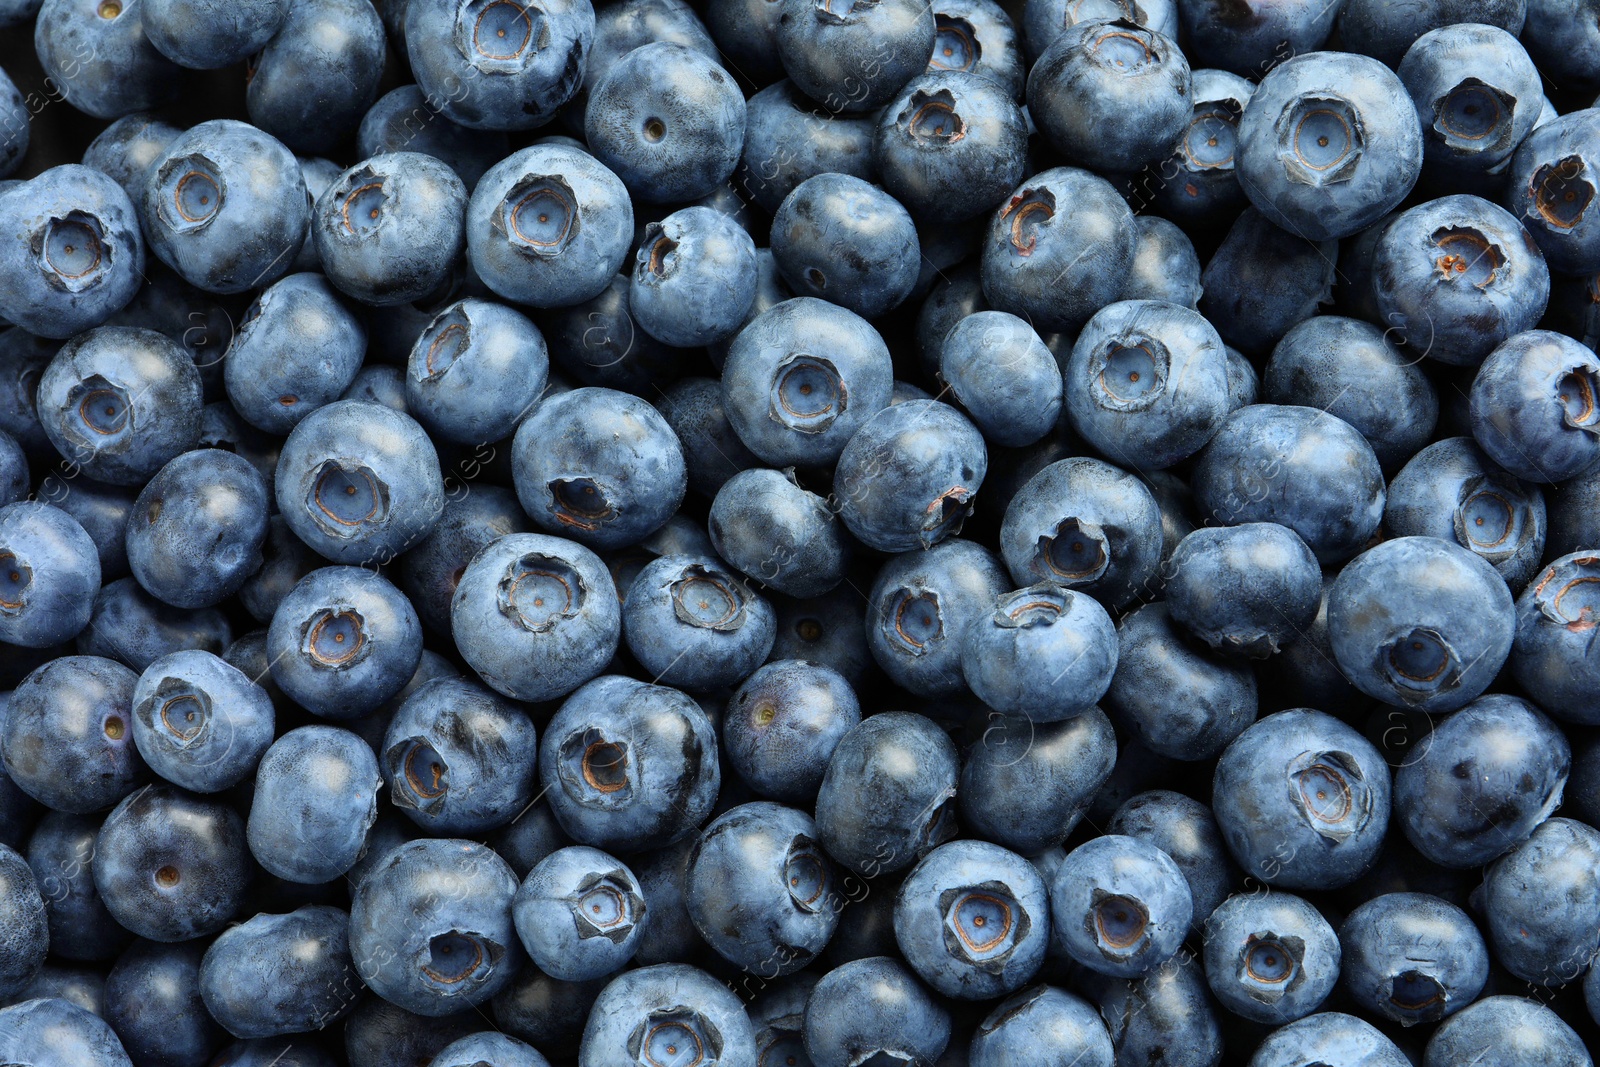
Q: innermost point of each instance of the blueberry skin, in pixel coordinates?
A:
(1561, 40)
(1549, 656)
(1508, 1027)
(1250, 40)
(1200, 183)
(854, 59)
(1087, 525)
(599, 466)
(572, 255)
(691, 624)
(1187, 832)
(1263, 280)
(153, 1003)
(873, 1008)
(1166, 1016)
(1549, 190)
(380, 384)
(1270, 957)
(909, 477)
(459, 759)
(281, 974)
(846, 241)
(643, 1012)
(22, 357)
(226, 206)
(343, 641)
(525, 650)
(950, 145)
(782, 725)
(1328, 1037)
(978, 37)
(430, 572)
(133, 627)
(1350, 369)
(694, 278)
(579, 914)
(200, 722)
(887, 797)
(625, 765)
(1574, 515)
(65, 738)
(544, 1011)
(102, 510)
(1372, 158)
(712, 452)
(125, 150)
(1412, 958)
(196, 529)
(1542, 901)
(24, 923)
(1111, 96)
(1533, 406)
(760, 890)
(1384, 31)
(1244, 590)
(1455, 73)
(1119, 906)
(52, 1032)
(210, 34)
(297, 349)
(920, 605)
(498, 69)
(359, 483)
(789, 138)
(316, 796)
(431, 928)
(318, 75)
(14, 116)
(771, 381)
(475, 372)
(828, 629)
(1003, 376)
(1025, 784)
(171, 866)
(1322, 832)
(1165, 265)
(936, 915)
(1044, 652)
(408, 119)
(103, 66)
(74, 254)
(1059, 250)
(1043, 1025)
(379, 1033)
(620, 28)
(668, 120)
(49, 572)
(286, 560)
(1296, 466)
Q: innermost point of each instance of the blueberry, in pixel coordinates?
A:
(431, 928)
(1187, 832)
(1003, 376)
(74, 254)
(669, 934)
(379, 1033)
(695, 278)
(1328, 1037)
(855, 58)
(125, 150)
(496, 65)
(919, 607)
(1477, 95)
(133, 627)
(1384, 31)
(318, 75)
(1534, 408)
(223, 232)
(599, 343)
(625, 764)
(281, 974)
(99, 59)
(315, 798)
(153, 1003)
(1541, 901)
(1550, 189)
(171, 866)
(1412, 958)
(1025, 784)
(407, 119)
(536, 616)
(579, 913)
(870, 1009)
(846, 241)
(1296, 466)
(489, 1047)
(24, 923)
(286, 560)
(1119, 906)
(761, 891)
(668, 120)
(200, 722)
(908, 478)
(1263, 280)
(14, 116)
(666, 1014)
(1524, 1032)
(620, 28)
(828, 629)
(1251, 39)
(209, 34)
(1322, 831)
(51, 1032)
(1200, 182)
(691, 624)
(887, 797)
(274, 1052)
(1270, 957)
(712, 452)
(789, 138)
(1553, 618)
(196, 529)
(1045, 1025)
(1561, 40)
(1044, 652)
(1059, 249)
(49, 575)
(778, 1014)
(978, 37)
(1086, 525)
(1165, 1016)
(23, 357)
(951, 145)
(1165, 265)
(475, 372)
(1247, 589)
(66, 734)
(297, 349)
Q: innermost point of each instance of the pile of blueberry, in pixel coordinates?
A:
(820, 533)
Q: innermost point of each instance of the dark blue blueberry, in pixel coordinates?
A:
(597, 342)
(430, 572)
(873, 1009)
(497, 65)
(669, 933)
(1534, 407)
(1164, 1017)
(475, 372)
(24, 924)
(828, 629)
(318, 174)
(133, 627)
(691, 624)
(919, 607)
(1249, 37)
(667, 1014)
(789, 138)
(49, 575)
(1555, 617)
(712, 452)
(973, 920)
(778, 1014)
(97, 57)
(281, 974)
(18, 810)
(153, 1003)
(1263, 280)
(73, 255)
(1245, 590)
(579, 913)
(226, 206)
(125, 150)
(286, 560)
(23, 358)
(208, 34)
(1551, 187)
(343, 641)
(909, 477)
(171, 866)
(1119, 906)
(102, 510)
(848, 242)
(378, 1034)
(1025, 784)
(297, 349)
(51, 1032)
(1003, 376)
(1296, 466)
(1270, 957)
(67, 737)
(620, 28)
(1042, 1025)
(14, 118)
(887, 798)
(488, 1046)
(627, 765)
(408, 120)
(1385, 30)
(1329, 1037)
(1044, 652)
(1477, 95)
(1411, 958)
(694, 279)
(1165, 265)
(379, 383)
(431, 929)
(1507, 1027)
(951, 145)
(1559, 36)
(1574, 513)
(528, 838)
(599, 466)
(196, 529)
(1420, 622)
(978, 37)
(1199, 183)
(745, 31)
(854, 58)
(200, 722)
(782, 725)
(1322, 831)
(318, 75)
(1087, 525)
(274, 1052)
(1187, 832)
(316, 795)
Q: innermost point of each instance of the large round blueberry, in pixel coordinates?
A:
(1504, 1022)
(579, 913)
(98, 58)
(49, 575)
(843, 240)
(1025, 784)
(281, 974)
(24, 924)
(782, 724)
(318, 75)
(1328, 1036)
(873, 1008)
(316, 795)
(855, 57)
(670, 1013)
(1535, 409)
(1392, 963)
(1270, 957)
(1042, 1020)
(1551, 189)
(67, 735)
(951, 145)
(1247, 589)
(52, 1032)
(919, 607)
(1045, 652)
(692, 624)
(297, 348)
(200, 722)
(1541, 903)
(1003, 376)
(1119, 906)
(909, 477)
(197, 527)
